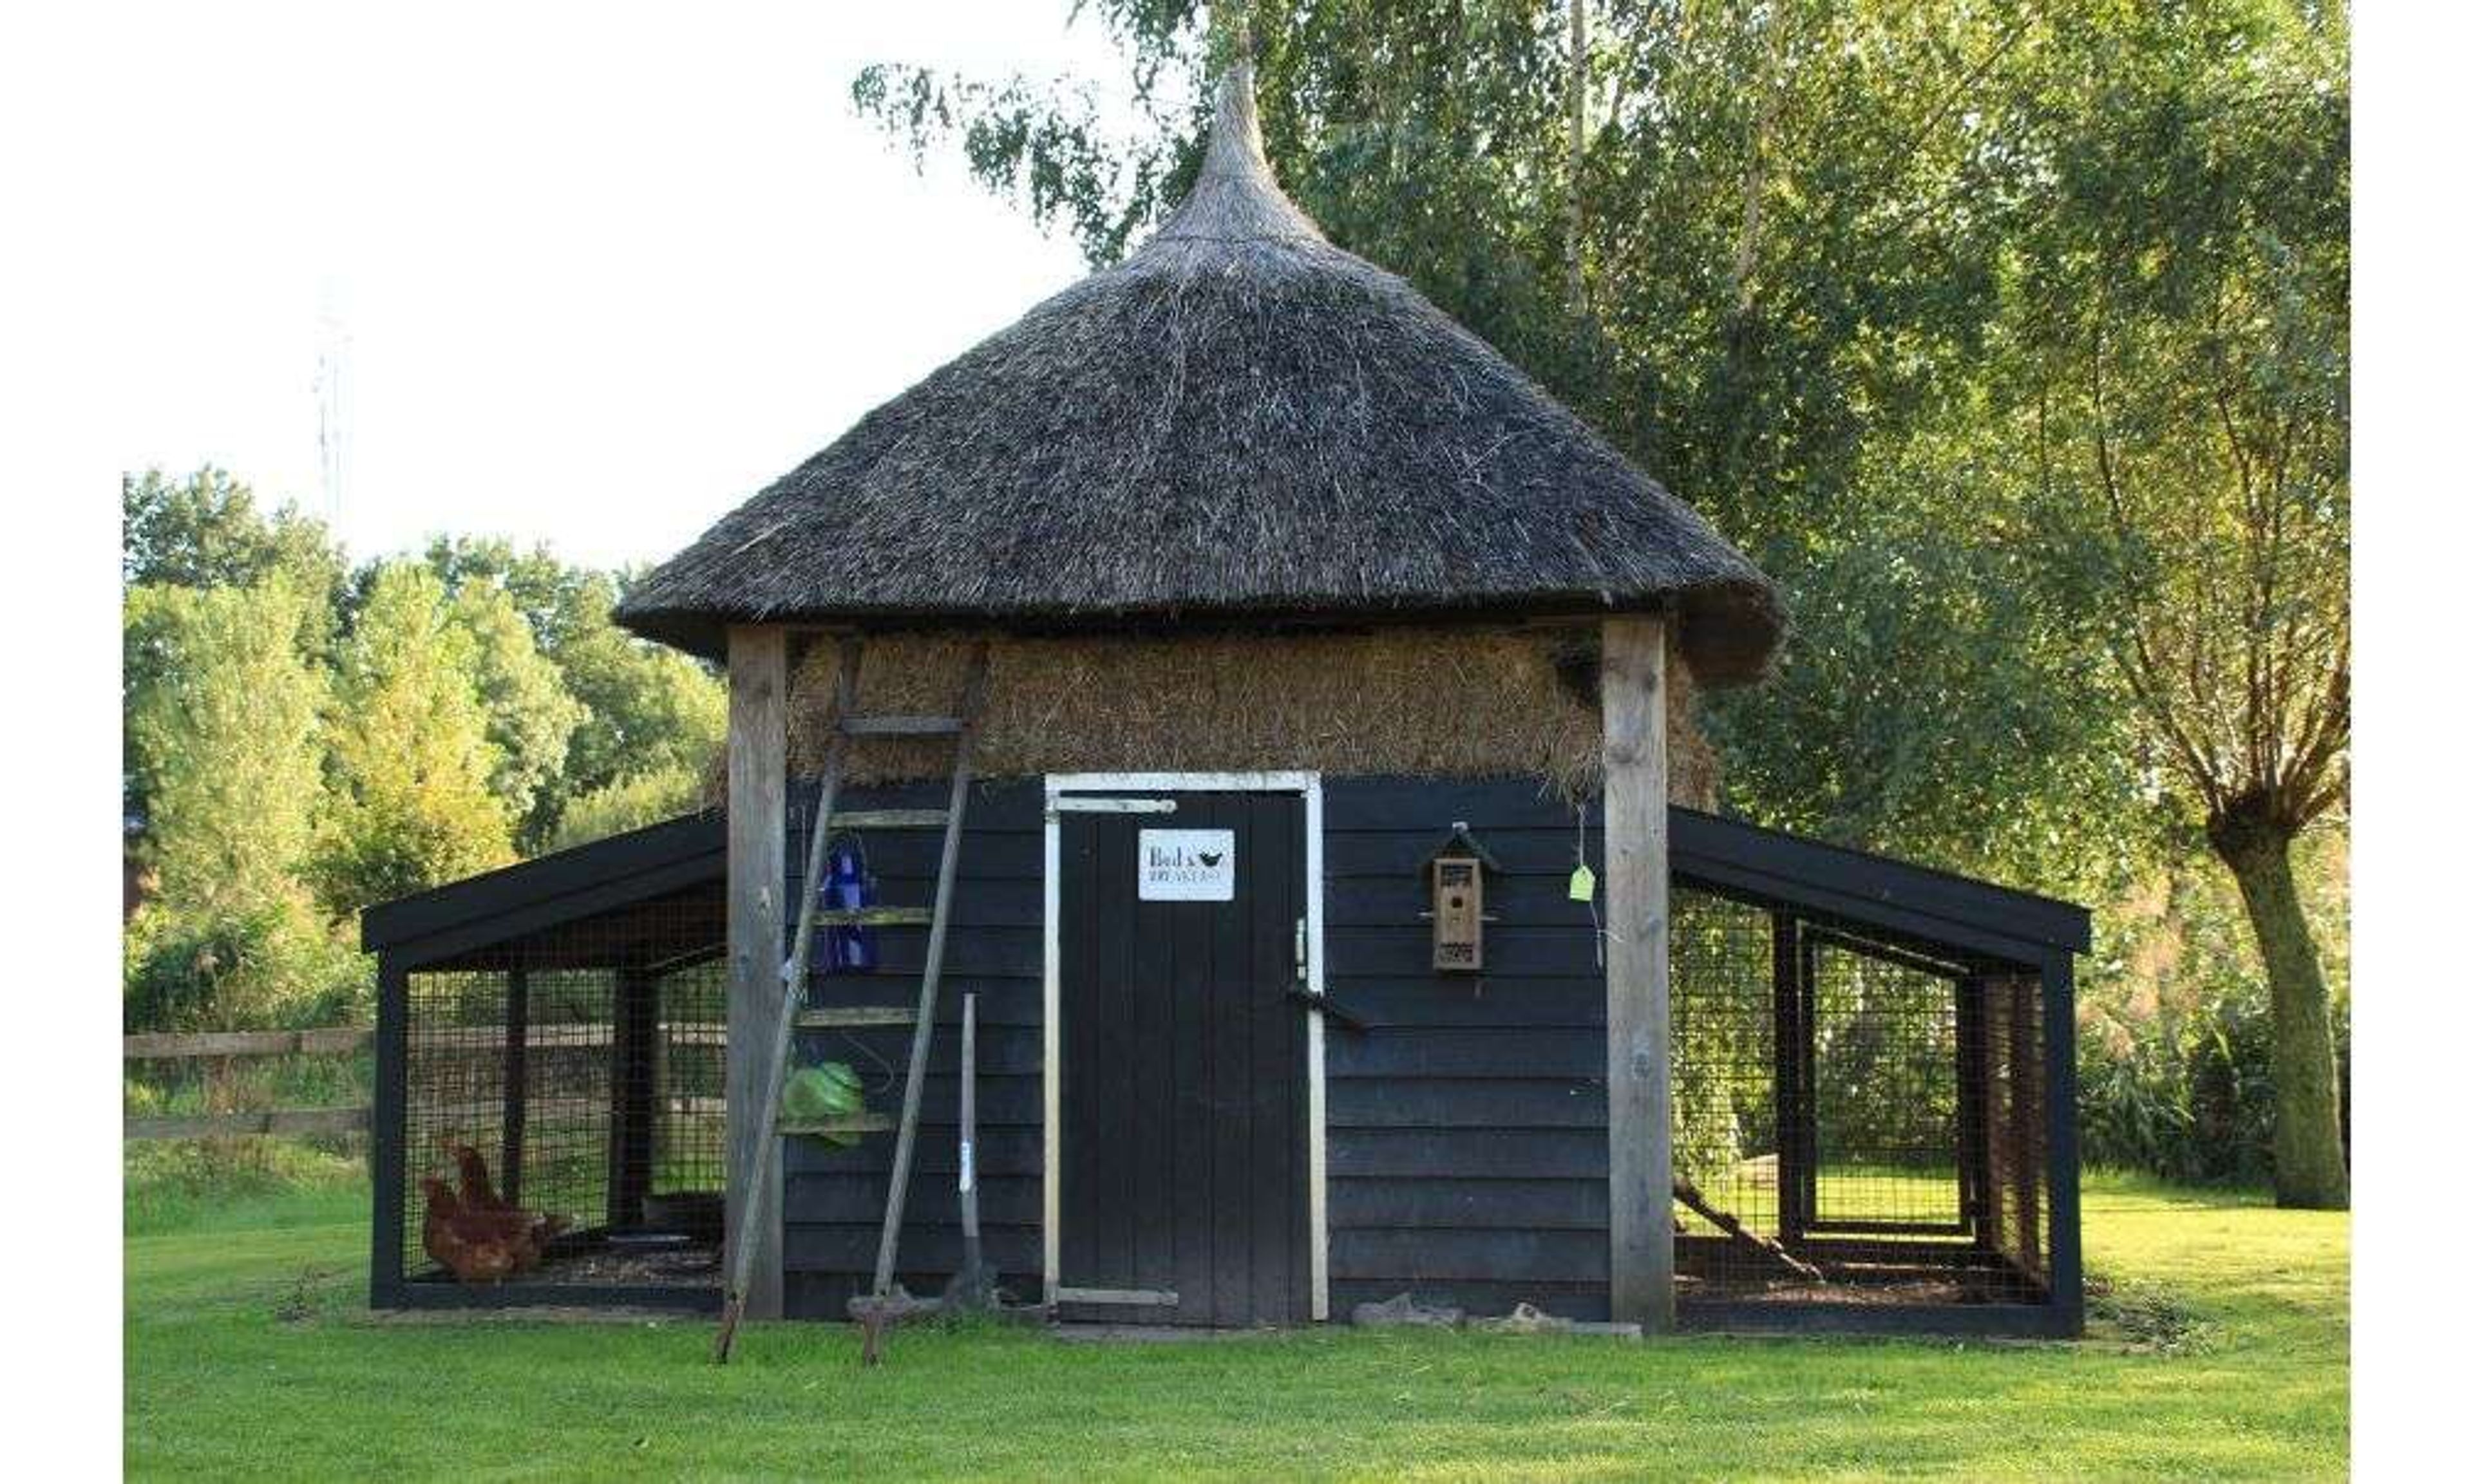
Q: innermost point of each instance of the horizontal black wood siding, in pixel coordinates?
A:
(1467, 1146)
(1466, 1135)
(1466, 1125)
(834, 1198)
(1467, 1129)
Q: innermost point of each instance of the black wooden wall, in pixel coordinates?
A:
(1467, 1130)
(1467, 1141)
(834, 1198)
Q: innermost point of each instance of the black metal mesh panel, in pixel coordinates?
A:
(1885, 1094)
(1724, 1047)
(1856, 1121)
(2016, 1206)
(584, 1065)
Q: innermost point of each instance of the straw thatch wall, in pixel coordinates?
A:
(1453, 703)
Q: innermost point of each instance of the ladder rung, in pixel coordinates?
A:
(843, 1015)
(890, 818)
(873, 916)
(900, 726)
(854, 1123)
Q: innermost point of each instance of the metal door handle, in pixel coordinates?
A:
(1331, 1008)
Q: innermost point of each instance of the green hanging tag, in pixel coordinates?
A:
(1584, 883)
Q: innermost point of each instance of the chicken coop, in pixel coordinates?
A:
(1275, 714)
(559, 1025)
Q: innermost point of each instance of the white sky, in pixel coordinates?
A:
(604, 272)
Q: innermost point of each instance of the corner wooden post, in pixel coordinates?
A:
(515, 1085)
(1639, 1154)
(1977, 1199)
(1790, 1022)
(634, 1026)
(760, 683)
(387, 1134)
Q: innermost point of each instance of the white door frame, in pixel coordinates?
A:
(1060, 785)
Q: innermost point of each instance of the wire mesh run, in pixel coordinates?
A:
(574, 1074)
(1856, 1121)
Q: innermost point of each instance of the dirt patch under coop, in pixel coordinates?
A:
(603, 1264)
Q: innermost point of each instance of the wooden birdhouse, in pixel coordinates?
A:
(1455, 872)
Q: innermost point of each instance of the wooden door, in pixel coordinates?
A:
(1182, 1061)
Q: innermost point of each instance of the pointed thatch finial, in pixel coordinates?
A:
(1238, 425)
(1235, 126)
(1235, 196)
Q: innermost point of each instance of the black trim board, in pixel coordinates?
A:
(1864, 887)
(605, 874)
(2025, 1321)
(426, 1294)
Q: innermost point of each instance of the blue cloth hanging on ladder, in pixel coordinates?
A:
(849, 887)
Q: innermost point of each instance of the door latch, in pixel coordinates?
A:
(1331, 1009)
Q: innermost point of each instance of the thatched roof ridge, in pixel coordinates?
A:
(1239, 423)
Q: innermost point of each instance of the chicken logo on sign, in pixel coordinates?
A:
(1188, 865)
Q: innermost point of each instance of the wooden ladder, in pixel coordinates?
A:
(849, 726)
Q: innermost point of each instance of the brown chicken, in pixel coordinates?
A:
(477, 1247)
(472, 1184)
(476, 1196)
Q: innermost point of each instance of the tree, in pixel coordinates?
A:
(631, 802)
(222, 729)
(205, 531)
(650, 715)
(532, 716)
(412, 759)
(654, 710)
(2184, 303)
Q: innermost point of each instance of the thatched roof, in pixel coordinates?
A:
(1238, 424)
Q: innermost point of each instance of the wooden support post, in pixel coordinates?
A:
(1975, 1200)
(1639, 1130)
(387, 1136)
(757, 805)
(1792, 1063)
(2060, 1102)
(516, 1057)
(636, 1008)
(2026, 1109)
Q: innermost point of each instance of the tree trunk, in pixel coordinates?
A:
(2308, 1133)
(1577, 284)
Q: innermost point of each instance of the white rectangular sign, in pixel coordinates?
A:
(1188, 865)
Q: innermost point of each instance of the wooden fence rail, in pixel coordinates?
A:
(275, 1121)
(175, 1046)
(347, 1041)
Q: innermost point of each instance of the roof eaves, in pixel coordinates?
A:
(1879, 890)
(592, 877)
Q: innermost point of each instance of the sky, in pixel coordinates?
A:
(598, 275)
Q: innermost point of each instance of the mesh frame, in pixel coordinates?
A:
(586, 1063)
(1858, 1121)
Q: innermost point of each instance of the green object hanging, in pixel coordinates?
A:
(816, 1094)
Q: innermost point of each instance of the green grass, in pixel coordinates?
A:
(248, 1353)
(240, 1184)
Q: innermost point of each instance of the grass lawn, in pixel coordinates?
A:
(249, 1352)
